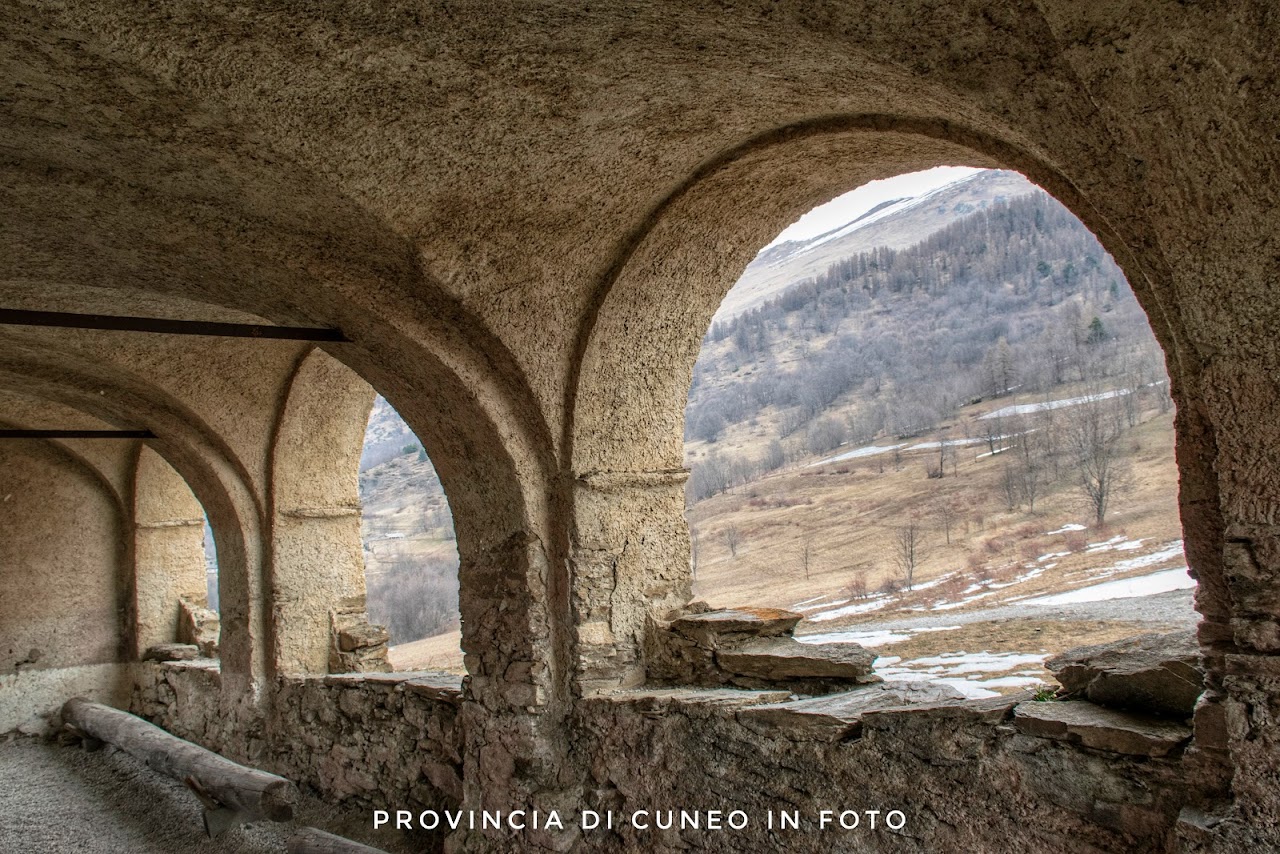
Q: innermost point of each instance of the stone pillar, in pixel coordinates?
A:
(317, 558)
(630, 560)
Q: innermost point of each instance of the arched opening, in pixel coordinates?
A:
(932, 417)
(410, 547)
(627, 437)
(175, 596)
(210, 565)
(103, 560)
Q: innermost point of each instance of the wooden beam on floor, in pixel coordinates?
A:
(232, 794)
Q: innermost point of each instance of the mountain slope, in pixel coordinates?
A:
(895, 225)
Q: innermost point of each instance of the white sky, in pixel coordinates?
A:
(851, 205)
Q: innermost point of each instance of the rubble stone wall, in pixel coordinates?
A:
(963, 775)
(367, 741)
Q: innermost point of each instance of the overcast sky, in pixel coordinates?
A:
(848, 207)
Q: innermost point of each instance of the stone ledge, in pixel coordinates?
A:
(421, 680)
(210, 664)
(781, 658)
(837, 717)
(724, 697)
(1083, 723)
(987, 711)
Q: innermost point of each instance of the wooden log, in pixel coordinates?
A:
(308, 840)
(225, 788)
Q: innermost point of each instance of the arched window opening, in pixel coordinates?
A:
(410, 550)
(175, 596)
(932, 417)
(210, 566)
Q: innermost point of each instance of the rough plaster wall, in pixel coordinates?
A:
(31, 698)
(61, 583)
(168, 551)
(61, 562)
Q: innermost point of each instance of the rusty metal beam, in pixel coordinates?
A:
(76, 434)
(69, 320)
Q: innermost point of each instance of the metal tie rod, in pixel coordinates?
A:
(70, 320)
(76, 434)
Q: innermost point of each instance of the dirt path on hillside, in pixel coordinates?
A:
(1165, 611)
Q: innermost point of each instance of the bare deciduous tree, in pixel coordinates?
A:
(1093, 433)
(693, 551)
(947, 512)
(732, 539)
(908, 549)
(1029, 455)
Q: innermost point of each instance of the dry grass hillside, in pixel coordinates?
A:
(845, 515)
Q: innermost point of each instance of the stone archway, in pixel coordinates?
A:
(214, 476)
(631, 553)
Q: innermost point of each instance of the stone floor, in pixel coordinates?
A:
(64, 799)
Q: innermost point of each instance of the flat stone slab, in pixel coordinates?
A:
(1157, 673)
(988, 710)
(780, 658)
(1084, 723)
(834, 716)
(420, 681)
(755, 622)
(693, 696)
(172, 652)
(437, 686)
(211, 664)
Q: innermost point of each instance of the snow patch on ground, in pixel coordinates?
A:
(1065, 529)
(963, 670)
(878, 637)
(1169, 551)
(1028, 408)
(876, 603)
(868, 451)
(873, 638)
(959, 663)
(924, 446)
(1125, 588)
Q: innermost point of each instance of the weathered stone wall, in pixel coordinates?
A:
(367, 741)
(963, 774)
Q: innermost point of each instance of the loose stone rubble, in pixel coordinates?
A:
(358, 646)
(199, 626)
